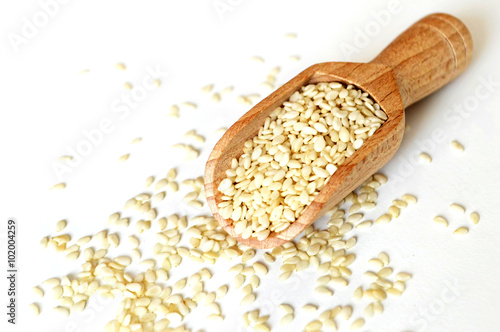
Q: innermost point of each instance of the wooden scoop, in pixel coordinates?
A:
(429, 54)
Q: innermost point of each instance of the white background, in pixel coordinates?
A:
(47, 104)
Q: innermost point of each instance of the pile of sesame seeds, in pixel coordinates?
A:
(298, 148)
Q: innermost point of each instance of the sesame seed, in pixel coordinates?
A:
(258, 59)
(474, 217)
(189, 104)
(221, 291)
(288, 309)
(457, 146)
(346, 312)
(410, 199)
(315, 325)
(365, 224)
(62, 310)
(357, 324)
(207, 88)
(461, 231)
(457, 207)
(174, 111)
(403, 276)
(394, 291)
(384, 219)
(441, 220)
(124, 157)
(394, 211)
(38, 292)
(35, 309)
(65, 158)
(59, 186)
(310, 307)
(216, 97)
(384, 258)
(248, 299)
(425, 157)
(323, 290)
(136, 140)
(286, 319)
(377, 263)
(120, 66)
(358, 293)
(227, 90)
(61, 224)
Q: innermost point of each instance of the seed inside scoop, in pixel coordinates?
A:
(296, 151)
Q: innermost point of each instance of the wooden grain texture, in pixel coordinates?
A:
(429, 54)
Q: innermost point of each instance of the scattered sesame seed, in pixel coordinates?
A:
(457, 146)
(65, 158)
(365, 224)
(174, 111)
(38, 292)
(189, 104)
(425, 157)
(157, 82)
(35, 309)
(120, 66)
(286, 319)
(310, 307)
(441, 220)
(384, 219)
(124, 158)
(136, 140)
(227, 90)
(474, 217)
(357, 324)
(457, 207)
(149, 181)
(257, 59)
(59, 186)
(268, 85)
(410, 199)
(461, 231)
(61, 224)
(216, 97)
(207, 88)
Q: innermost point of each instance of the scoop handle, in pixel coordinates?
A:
(429, 54)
